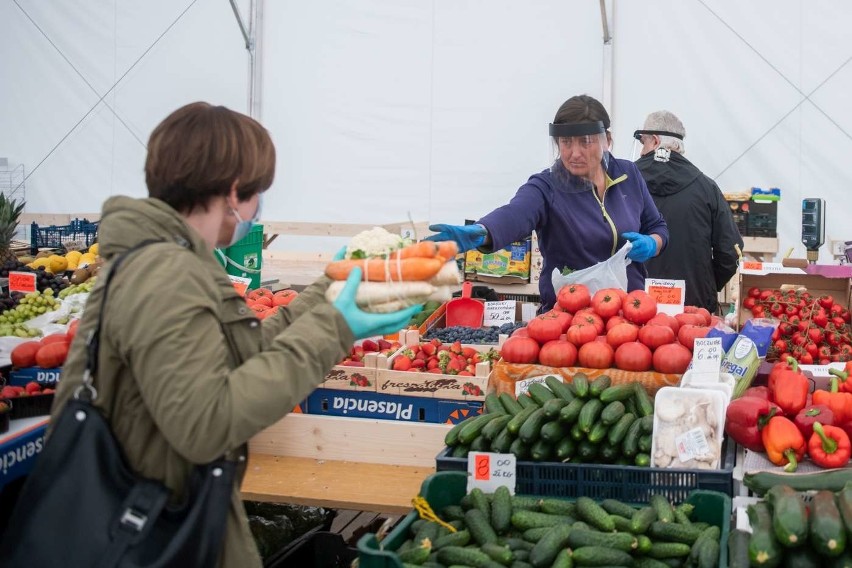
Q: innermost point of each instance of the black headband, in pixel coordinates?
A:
(639, 133)
(577, 129)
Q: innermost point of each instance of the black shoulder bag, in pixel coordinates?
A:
(83, 506)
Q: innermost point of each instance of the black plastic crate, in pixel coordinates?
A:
(31, 406)
(626, 483)
(320, 549)
(82, 231)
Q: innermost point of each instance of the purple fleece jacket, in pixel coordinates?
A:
(573, 228)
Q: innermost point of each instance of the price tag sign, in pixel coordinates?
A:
(669, 294)
(498, 313)
(22, 282)
(752, 265)
(528, 311)
(488, 471)
(522, 386)
(240, 284)
(707, 359)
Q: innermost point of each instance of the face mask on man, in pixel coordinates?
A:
(243, 227)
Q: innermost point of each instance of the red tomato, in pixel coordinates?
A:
(656, 335)
(284, 297)
(687, 334)
(633, 356)
(558, 353)
(521, 332)
(596, 355)
(614, 321)
(573, 297)
(518, 349)
(55, 338)
(52, 355)
(672, 358)
(639, 307)
(589, 317)
(622, 333)
(545, 327)
(24, 355)
(665, 319)
(607, 302)
(703, 312)
(563, 317)
(581, 334)
(690, 319)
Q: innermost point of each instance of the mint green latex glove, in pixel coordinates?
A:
(365, 324)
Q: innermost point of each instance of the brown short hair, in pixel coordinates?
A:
(581, 108)
(198, 152)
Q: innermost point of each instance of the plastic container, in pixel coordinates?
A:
(30, 406)
(631, 484)
(685, 432)
(245, 257)
(55, 236)
(448, 487)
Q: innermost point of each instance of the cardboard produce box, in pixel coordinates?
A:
(506, 266)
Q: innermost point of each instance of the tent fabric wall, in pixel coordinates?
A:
(438, 109)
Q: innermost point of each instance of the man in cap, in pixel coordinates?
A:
(705, 243)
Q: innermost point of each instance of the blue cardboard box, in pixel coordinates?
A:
(44, 377)
(368, 404)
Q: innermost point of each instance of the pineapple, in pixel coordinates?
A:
(10, 213)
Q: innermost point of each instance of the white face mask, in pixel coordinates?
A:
(243, 227)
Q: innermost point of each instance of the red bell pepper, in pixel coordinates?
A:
(784, 444)
(746, 417)
(840, 403)
(790, 391)
(777, 369)
(844, 384)
(806, 417)
(829, 446)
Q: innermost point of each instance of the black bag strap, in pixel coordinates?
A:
(87, 390)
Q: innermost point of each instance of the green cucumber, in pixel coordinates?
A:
(601, 556)
(520, 449)
(427, 531)
(545, 550)
(661, 550)
(615, 507)
(674, 532)
(531, 428)
(479, 526)
(577, 433)
(630, 405)
(452, 513)
(763, 549)
(452, 437)
(471, 431)
(683, 512)
(480, 444)
(417, 554)
(552, 432)
(618, 541)
(456, 555)
(826, 533)
(738, 549)
(580, 383)
(493, 428)
(594, 514)
(708, 553)
(617, 392)
(842, 561)
(563, 560)
(559, 388)
(565, 449)
(612, 412)
(805, 557)
(458, 538)
(708, 533)
(642, 460)
(510, 403)
(642, 519)
(664, 509)
(830, 480)
(644, 404)
(844, 504)
(586, 451)
(493, 404)
(589, 414)
(622, 524)
(789, 516)
(501, 510)
(644, 543)
(540, 393)
(525, 401)
(518, 419)
(480, 501)
(619, 430)
(630, 444)
(517, 543)
(498, 553)
(646, 562)
(647, 424)
(525, 503)
(599, 385)
(535, 534)
(608, 452)
(645, 442)
(597, 433)
(558, 507)
(553, 406)
(569, 414)
(523, 520)
(541, 450)
(460, 451)
(502, 442)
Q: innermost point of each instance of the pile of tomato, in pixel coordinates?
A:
(813, 329)
(610, 328)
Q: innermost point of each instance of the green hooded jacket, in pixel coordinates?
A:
(187, 373)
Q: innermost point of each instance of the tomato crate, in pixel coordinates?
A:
(448, 487)
(631, 484)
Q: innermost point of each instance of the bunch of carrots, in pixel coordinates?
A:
(411, 275)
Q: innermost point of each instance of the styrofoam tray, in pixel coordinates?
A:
(688, 397)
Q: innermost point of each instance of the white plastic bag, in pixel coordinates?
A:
(610, 273)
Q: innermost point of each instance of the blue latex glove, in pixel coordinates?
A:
(340, 255)
(364, 324)
(644, 246)
(466, 236)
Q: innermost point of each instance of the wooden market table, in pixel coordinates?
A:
(342, 463)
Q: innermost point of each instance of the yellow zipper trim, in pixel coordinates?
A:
(609, 183)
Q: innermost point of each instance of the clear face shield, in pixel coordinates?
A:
(648, 141)
(583, 151)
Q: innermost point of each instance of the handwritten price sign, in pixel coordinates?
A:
(488, 471)
(669, 294)
(499, 313)
(240, 284)
(707, 359)
(22, 282)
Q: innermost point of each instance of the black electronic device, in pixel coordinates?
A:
(813, 226)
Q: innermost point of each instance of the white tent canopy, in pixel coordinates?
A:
(434, 109)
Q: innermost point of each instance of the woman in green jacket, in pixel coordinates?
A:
(187, 372)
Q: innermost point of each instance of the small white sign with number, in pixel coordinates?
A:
(523, 386)
(669, 294)
(707, 359)
(488, 471)
(499, 313)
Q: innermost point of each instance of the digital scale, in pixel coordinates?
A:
(813, 226)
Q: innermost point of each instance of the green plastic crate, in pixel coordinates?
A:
(448, 487)
(245, 257)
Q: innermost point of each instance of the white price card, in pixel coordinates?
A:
(523, 386)
(707, 359)
(498, 313)
(669, 294)
(488, 471)
(528, 311)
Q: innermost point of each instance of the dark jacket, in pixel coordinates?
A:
(187, 372)
(702, 229)
(575, 229)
